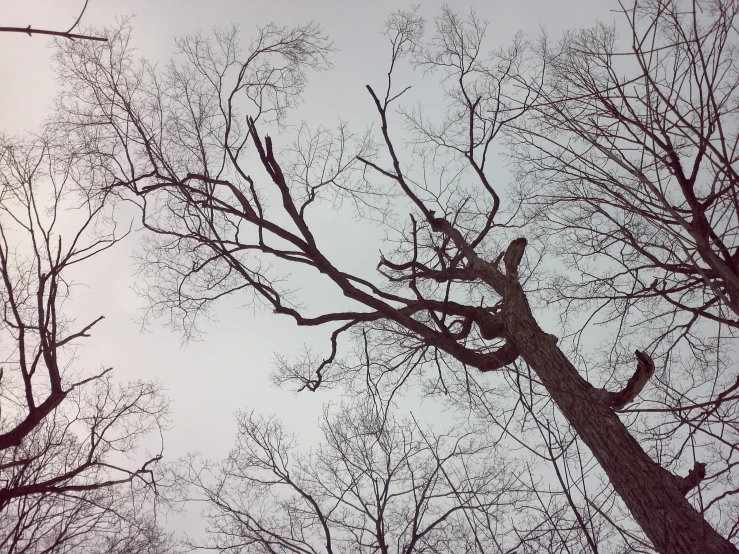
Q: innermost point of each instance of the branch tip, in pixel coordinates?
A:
(513, 256)
(642, 374)
(693, 478)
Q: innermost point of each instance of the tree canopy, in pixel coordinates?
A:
(614, 431)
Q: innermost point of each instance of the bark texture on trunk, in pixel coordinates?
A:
(652, 493)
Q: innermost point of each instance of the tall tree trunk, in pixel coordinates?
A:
(652, 493)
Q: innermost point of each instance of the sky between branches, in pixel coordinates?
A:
(228, 370)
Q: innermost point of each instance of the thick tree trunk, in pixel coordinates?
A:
(651, 492)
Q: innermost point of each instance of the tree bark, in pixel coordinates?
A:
(651, 493)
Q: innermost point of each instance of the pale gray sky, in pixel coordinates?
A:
(228, 370)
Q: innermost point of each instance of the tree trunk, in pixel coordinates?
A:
(651, 492)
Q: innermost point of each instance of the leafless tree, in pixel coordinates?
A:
(454, 295)
(98, 521)
(372, 485)
(628, 160)
(68, 439)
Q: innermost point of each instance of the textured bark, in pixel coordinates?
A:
(642, 375)
(652, 494)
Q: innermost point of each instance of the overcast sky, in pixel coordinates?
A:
(228, 369)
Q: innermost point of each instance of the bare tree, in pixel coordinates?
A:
(98, 521)
(628, 159)
(454, 295)
(68, 439)
(372, 485)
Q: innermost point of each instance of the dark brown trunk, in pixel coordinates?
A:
(651, 492)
